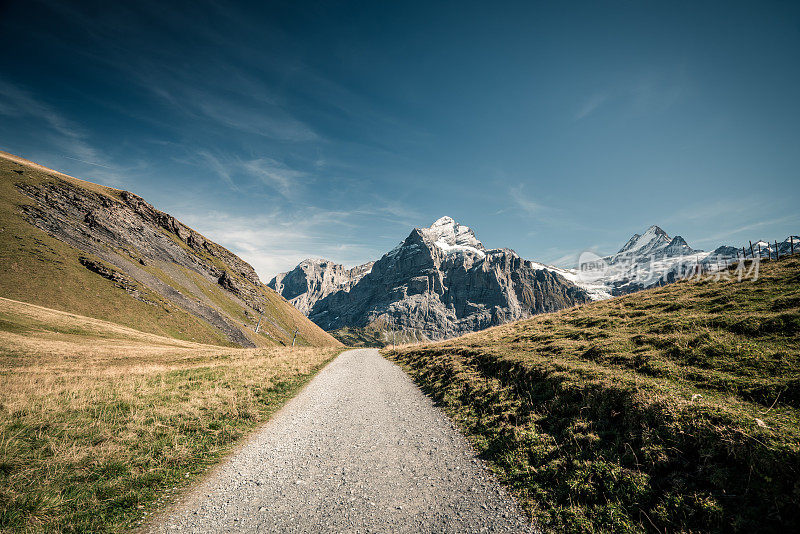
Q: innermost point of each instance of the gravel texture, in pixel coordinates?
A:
(360, 449)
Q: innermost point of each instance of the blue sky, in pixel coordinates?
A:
(287, 130)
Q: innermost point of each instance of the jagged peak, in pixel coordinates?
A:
(678, 241)
(652, 238)
(443, 221)
(316, 261)
(655, 229)
(449, 235)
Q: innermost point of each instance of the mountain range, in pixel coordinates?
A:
(441, 281)
(106, 253)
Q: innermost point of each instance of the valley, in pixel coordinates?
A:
(399, 267)
(137, 354)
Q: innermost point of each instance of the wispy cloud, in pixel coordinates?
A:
(525, 203)
(534, 208)
(729, 207)
(217, 166)
(69, 140)
(748, 231)
(642, 93)
(657, 92)
(244, 115)
(220, 86)
(18, 103)
(568, 258)
(590, 105)
(273, 173)
(394, 211)
(276, 241)
(239, 174)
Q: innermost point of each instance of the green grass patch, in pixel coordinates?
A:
(675, 409)
(96, 430)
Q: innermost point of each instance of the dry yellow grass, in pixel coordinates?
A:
(97, 420)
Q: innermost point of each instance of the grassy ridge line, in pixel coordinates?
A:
(99, 422)
(669, 410)
(40, 268)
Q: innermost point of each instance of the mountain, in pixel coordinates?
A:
(647, 260)
(314, 279)
(650, 259)
(438, 283)
(768, 250)
(92, 250)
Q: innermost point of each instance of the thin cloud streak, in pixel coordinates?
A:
(589, 107)
(238, 174)
(70, 140)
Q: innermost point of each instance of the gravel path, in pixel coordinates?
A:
(360, 449)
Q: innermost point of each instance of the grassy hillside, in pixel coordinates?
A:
(41, 268)
(674, 409)
(99, 421)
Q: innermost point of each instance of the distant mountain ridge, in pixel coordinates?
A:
(653, 259)
(437, 283)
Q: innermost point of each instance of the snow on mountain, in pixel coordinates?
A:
(652, 258)
(642, 262)
(452, 237)
(595, 290)
(654, 238)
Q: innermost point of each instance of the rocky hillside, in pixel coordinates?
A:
(88, 249)
(439, 282)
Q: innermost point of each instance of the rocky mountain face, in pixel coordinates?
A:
(646, 260)
(315, 279)
(439, 282)
(145, 254)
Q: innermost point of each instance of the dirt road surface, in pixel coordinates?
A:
(360, 449)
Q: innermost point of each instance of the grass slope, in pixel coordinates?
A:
(43, 270)
(99, 421)
(670, 410)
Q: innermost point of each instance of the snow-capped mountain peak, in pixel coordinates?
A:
(645, 243)
(451, 236)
